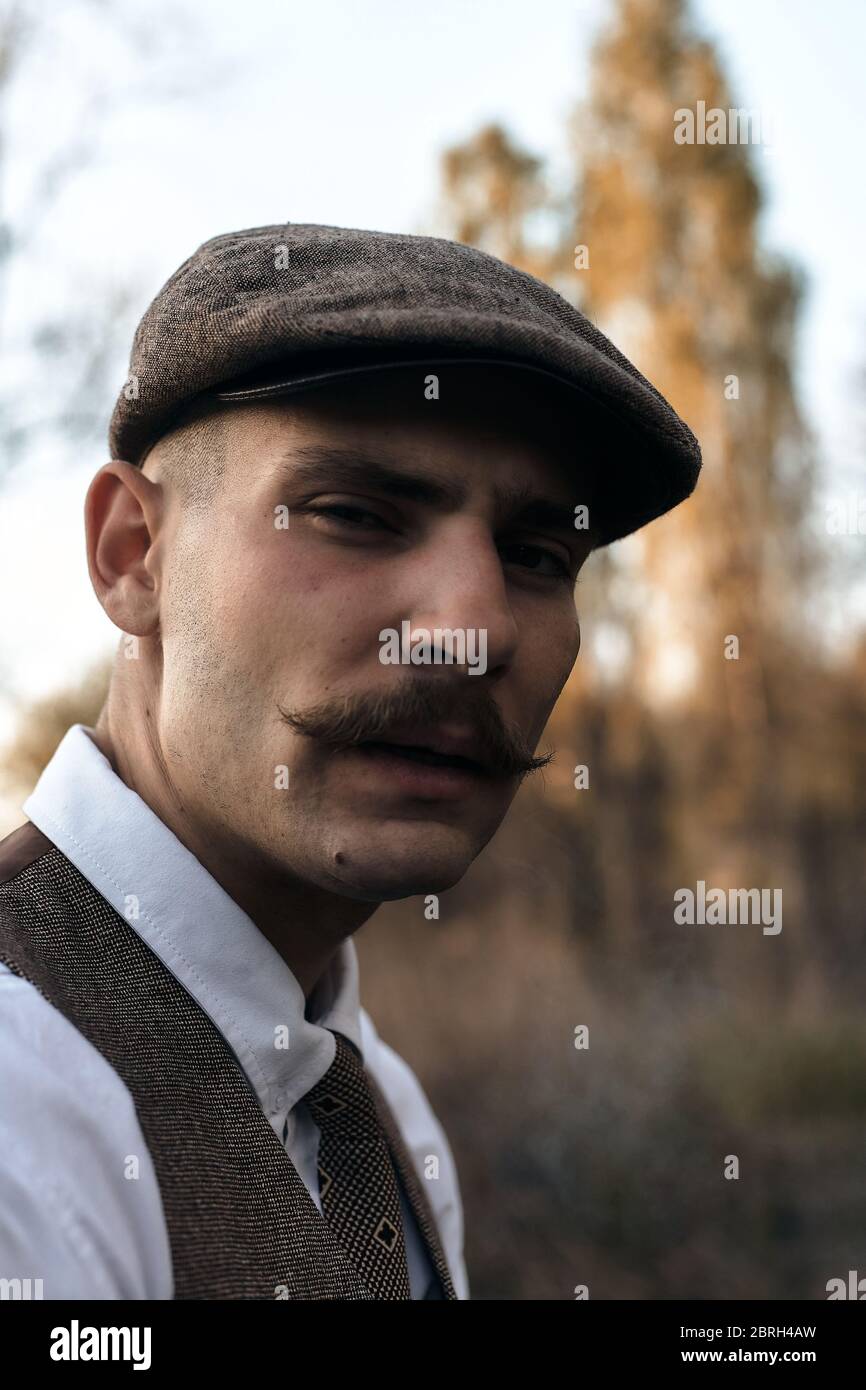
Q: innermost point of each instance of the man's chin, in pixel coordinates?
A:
(390, 865)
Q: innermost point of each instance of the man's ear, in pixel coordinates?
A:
(123, 520)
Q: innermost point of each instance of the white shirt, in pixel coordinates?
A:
(67, 1215)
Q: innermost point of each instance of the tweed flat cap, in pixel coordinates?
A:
(274, 310)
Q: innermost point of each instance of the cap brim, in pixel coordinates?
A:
(282, 382)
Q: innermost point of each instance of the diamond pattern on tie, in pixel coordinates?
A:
(357, 1181)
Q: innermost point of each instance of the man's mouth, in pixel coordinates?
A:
(419, 753)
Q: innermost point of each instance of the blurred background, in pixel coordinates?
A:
(732, 275)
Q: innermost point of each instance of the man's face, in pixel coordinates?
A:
(346, 512)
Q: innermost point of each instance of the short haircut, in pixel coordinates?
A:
(193, 453)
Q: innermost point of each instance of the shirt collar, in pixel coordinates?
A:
(205, 939)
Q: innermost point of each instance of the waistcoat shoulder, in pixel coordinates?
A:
(241, 1223)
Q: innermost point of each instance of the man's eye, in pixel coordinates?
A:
(350, 516)
(538, 560)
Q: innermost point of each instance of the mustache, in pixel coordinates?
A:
(364, 717)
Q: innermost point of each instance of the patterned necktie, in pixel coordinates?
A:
(357, 1181)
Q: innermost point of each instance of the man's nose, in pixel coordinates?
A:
(462, 589)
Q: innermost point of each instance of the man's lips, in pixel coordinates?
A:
(419, 754)
(406, 770)
(436, 747)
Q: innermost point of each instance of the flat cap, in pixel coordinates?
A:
(274, 310)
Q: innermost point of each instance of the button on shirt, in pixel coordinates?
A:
(67, 1212)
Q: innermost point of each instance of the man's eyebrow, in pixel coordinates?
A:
(325, 465)
(315, 465)
(525, 508)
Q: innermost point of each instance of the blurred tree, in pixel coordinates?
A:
(42, 725)
(678, 279)
(72, 349)
(62, 352)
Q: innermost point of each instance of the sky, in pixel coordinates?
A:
(224, 116)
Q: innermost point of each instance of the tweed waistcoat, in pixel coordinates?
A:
(241, 1223)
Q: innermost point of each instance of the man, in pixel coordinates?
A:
(354, 478)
